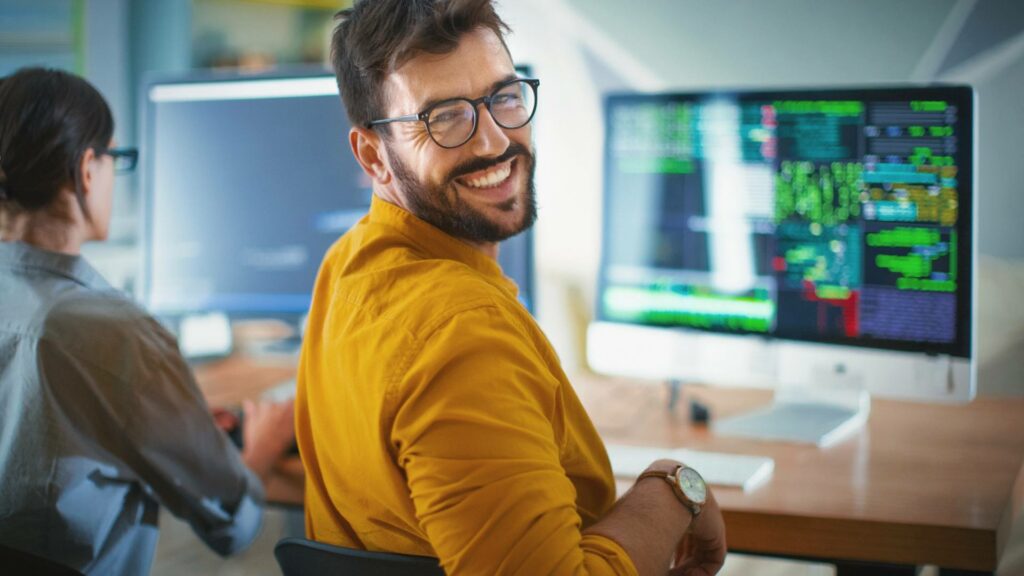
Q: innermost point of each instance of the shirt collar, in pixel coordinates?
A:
(75, 268)
(438, 244)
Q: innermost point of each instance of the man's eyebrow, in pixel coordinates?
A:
(493, 87)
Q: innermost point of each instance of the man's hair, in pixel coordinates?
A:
(376, 37)
(48, 119)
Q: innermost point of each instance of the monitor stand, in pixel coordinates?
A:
(822, 415)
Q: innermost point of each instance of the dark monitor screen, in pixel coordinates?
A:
(840, 216)
(249, 180)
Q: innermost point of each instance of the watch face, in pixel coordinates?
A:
(693, 485)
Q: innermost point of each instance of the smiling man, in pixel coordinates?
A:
(432, 414)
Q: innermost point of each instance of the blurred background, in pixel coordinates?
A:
(582, 50)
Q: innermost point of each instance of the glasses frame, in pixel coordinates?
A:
(131, 156)
(424, 115)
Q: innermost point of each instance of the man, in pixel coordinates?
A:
(432, 414)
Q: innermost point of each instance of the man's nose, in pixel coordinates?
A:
(490, 138)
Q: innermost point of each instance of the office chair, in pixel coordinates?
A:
(18, 563)
(301, 557)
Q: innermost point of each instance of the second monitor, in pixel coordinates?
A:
(811, 238)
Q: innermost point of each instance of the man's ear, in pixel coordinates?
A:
(368, 148)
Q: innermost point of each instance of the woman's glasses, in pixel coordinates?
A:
(125, 159)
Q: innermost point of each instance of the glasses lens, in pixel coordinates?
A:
(451, 123)
(124, 161)
(513, 104)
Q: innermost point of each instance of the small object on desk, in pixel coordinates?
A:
(674, 389)
(699, 413)
(717, 468)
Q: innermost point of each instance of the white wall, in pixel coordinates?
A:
(998, 78)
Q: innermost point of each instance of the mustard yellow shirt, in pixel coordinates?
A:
(433, 417)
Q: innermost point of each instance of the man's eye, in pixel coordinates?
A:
(507, 100)
(450, 114)
(447, 116)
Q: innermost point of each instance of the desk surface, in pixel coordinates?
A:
(920, 484)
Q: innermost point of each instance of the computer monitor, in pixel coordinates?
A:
(248, 181)
(790, 238)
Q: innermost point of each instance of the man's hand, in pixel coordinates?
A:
(702, 550)
(654, 528)
(268, 431)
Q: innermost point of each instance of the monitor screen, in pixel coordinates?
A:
(836, 216)
(249, 180)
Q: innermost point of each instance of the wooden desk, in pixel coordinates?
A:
(921, 484)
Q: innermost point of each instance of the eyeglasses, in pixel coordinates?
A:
(125, 159)
(451, 123)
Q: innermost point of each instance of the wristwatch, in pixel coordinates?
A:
(688, 486)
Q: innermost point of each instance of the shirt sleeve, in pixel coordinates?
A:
(125, 386)
(477, 434)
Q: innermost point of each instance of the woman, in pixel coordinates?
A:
(100, 418)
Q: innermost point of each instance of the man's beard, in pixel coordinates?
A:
(433, 204)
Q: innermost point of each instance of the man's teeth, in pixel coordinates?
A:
(491, 179)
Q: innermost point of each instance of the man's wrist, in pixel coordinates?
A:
(674, 474)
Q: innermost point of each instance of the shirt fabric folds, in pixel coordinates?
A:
(433, 416)
(101, 422)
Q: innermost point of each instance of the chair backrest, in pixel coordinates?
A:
(301, 557)
(18, 562)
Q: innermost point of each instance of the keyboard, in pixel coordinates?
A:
(717, 468)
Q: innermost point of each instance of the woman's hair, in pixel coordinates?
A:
(48, 119)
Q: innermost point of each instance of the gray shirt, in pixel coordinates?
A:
(100, 422)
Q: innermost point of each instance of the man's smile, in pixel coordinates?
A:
(488, 178)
